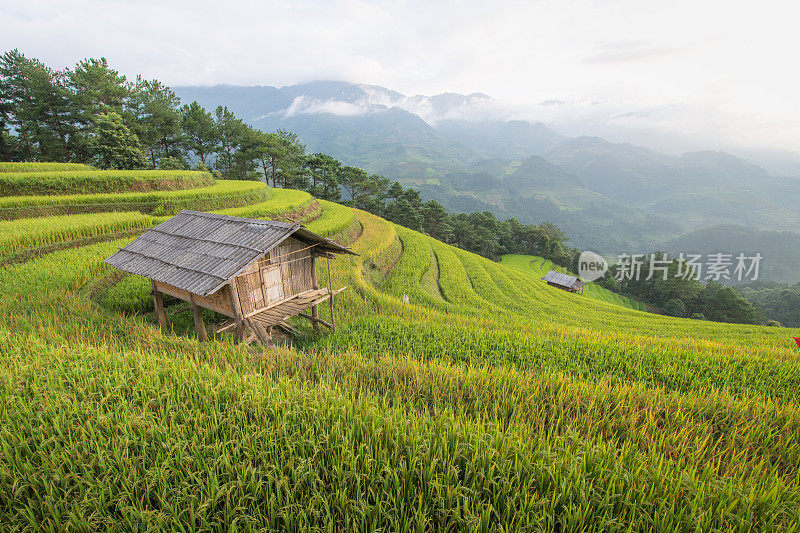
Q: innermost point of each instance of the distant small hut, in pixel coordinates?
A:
(259, 273)
(564, 281)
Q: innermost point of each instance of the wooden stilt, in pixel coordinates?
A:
(250, 338)
(315, 319)
(237, 310)
(158, 302)
(262, 333)
(199, 325)
(330, 288)
(225, 326)
(287, 328)
(315, 286)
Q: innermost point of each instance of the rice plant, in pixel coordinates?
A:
(21, 235)
(41, 167)
(99, 181)
(221, 195)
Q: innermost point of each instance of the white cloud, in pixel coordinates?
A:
(714, 68)
(475, 107)
(376, 99)
(305, 105)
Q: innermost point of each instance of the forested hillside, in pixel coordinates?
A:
(781, 248)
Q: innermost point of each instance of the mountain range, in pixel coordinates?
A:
(608, 197)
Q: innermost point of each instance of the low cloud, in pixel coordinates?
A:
(432, 109)
(304, 105)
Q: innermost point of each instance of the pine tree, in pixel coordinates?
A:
(200, 132)
(117, 147)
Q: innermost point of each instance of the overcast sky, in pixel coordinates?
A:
(726, 72)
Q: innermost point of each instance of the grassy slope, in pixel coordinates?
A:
(501, 401)
(540, 266)
(99, 181)
(42, 167)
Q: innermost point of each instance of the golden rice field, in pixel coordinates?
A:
(540, 266)
(490, 402)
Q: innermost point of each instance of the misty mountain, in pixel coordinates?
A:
(635, 174)
(624, 172)
(362, 125)
(513, 139)
(254, 102)
(695, 189)
(609, 197)
(776, 162)
(779, 250)
(390, 141)
(534, 190)
(407, 137)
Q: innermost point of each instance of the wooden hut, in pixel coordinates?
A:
(259, 273)
(564, 281)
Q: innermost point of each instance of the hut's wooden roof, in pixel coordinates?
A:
(564, 280)
(199, 252)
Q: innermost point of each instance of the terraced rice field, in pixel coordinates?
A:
(94, 181)
(490, 402)
(41, 167)
(540, 266)
(219, 195)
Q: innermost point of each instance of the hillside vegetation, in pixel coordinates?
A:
(540, 266)
(781, 250)
(492, 401)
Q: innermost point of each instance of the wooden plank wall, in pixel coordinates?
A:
(250, 288)
(296, 261)
(257, 284)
